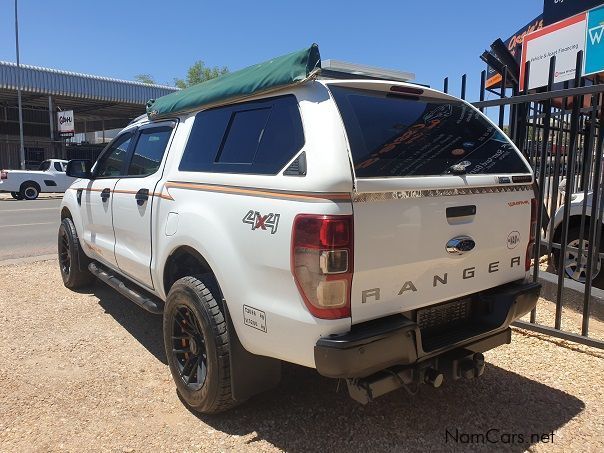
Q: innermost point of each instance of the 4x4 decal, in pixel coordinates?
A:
(262, 222)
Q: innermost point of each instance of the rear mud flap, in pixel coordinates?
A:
(250, 373)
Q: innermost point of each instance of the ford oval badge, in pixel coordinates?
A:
(460, 245)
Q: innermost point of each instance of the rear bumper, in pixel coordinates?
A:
(396, 340)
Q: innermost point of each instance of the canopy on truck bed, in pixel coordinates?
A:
(271, 75)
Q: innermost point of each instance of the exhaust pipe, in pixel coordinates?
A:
(472, 368)
(434, 377)
(365, 390)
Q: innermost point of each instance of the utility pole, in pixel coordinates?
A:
(21, 145)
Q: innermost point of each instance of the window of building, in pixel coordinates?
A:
(34, 157)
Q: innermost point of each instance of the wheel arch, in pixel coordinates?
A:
(574, 221)
(30, 182)
(70, 210)
(185, 261)
(66, 213)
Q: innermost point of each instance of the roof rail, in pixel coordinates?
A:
(138, 118)
(336, 69)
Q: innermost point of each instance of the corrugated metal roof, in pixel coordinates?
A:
(35, 79)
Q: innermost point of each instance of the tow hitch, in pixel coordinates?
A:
(432, 372)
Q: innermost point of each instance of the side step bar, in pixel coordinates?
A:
(137, 297)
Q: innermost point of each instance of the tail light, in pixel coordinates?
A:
(530, 249)
(3, 174)
(322, 263)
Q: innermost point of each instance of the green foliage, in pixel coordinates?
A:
(198, 73)
(145, 78)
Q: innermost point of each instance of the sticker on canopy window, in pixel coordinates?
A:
(442, 111)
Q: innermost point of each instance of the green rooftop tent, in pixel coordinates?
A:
(271, 75)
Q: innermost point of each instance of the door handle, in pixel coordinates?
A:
(141, 196)
(105, 194)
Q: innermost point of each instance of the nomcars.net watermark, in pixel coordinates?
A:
(495, 436)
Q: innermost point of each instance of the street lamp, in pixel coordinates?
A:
(21, 146)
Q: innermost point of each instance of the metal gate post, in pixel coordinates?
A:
(569, 190)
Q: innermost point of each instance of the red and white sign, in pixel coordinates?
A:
(563, 39)
(66, 123)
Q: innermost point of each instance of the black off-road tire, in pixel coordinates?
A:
(16, 195)
(573, 236)
(195, 333)
(71, 257)
(29, 190)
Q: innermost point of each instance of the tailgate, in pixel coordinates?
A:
(402, 261)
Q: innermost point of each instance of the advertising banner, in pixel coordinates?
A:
(594, 46)
(557, 10)
(66, 123)
(564, 40)
(514, 45)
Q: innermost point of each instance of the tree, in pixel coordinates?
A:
(145, 78)
(198, 73)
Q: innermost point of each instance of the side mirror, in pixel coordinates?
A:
(79, 168)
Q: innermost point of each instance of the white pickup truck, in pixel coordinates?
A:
(28, 184)
(377, 231)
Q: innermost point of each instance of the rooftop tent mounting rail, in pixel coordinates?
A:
(336, 69)
(271, 75)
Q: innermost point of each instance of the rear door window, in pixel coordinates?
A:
(257, 137)
(392, 136)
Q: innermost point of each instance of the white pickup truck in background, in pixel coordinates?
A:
(28, 184)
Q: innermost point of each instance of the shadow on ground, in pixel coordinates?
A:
(307, 413)
(571, 298)
(142, 325)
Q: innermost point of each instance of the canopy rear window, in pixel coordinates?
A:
(393, 135)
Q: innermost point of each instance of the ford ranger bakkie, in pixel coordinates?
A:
(373, 229)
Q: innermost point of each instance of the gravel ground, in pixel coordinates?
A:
(572, 309)
(87, 372)
(571, 317)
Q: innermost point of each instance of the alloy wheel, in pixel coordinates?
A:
(64, 255)
(189, 348)
(572, 268)
(31, 193)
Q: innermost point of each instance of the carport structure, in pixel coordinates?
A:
(99, 104)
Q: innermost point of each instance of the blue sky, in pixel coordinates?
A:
(433, 38)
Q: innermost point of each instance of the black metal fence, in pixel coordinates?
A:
(560, 129)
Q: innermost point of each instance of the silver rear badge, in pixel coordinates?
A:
(460, 245)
